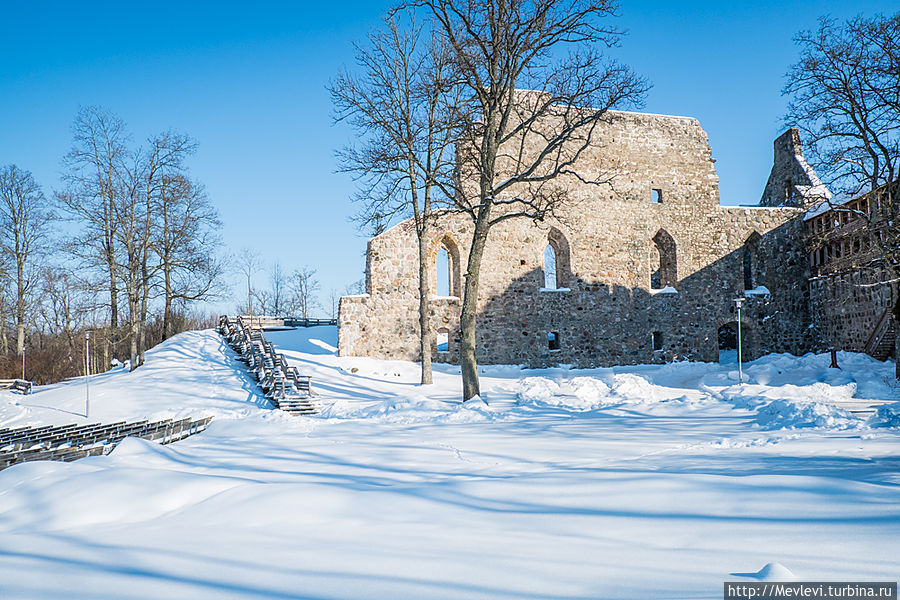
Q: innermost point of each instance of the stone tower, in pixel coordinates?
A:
(792, 181)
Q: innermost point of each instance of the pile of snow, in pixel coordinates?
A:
(887, 415)
(584, 393)
(411, 410)
(787, 414)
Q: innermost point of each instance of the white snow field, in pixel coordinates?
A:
(633, 482)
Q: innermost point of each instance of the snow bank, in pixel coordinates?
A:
(412, 410)
(584, 393)
(787, 414)
(887, 415)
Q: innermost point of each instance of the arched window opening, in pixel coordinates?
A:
(557, 270)
(443, 340)
(442, 269)
(663, 261)
(751, 262)
(446, 268)
(550, 276)
(748, 269)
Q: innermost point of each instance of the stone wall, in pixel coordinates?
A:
(847, 306)
(792, 182)
(605, 311)
(849, 286)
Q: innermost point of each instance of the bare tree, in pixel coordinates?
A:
(279, 280)
(304, 287)
(516, 144)
(185, 238)
(263, 299)
(334, 300)
(94, 171)
(132, 236)
(249, 263)
(845, 97)
(402, 103)
(64, 308)
(24, 234)
(355, 288)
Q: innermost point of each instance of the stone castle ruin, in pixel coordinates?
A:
(645, 270)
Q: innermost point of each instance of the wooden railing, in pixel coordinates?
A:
(295, 322)
(273, 322)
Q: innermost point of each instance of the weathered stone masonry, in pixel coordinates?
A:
(658, 225)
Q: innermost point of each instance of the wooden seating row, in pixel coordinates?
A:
(19, 385)
(281, 383)
(71, 442)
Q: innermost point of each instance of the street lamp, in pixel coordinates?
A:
(87, 374)
(739, 302)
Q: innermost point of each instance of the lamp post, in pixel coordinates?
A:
(87, 374)
(739, 302)
(23, 364)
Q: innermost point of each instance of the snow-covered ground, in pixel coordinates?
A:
(633, 482)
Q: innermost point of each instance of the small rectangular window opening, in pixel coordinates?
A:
(656, 196)
(656, 341)
(443, 341)
(553, 340)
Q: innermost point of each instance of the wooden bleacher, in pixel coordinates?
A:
(19, 385)
(282, 384)
(71, 442)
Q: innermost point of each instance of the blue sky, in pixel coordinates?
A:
(247, 80)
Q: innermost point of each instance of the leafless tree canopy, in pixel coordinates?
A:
(145, 230)
(515, 144)
(845, 96)
(24, 243)
(404, 100)
(304, 288)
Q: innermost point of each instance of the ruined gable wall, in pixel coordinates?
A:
(609, 313)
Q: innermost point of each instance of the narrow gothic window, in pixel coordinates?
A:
(550, 279)
(446, 267)
(656, 340)
(442, 268)
(748, 269)
(656, 196)
(557, 270)
(663, 261)
(753, 269)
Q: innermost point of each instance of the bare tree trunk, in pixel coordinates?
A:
(424, 312)
(133, 337)
(113, 290)
(4, 339)
(20, 305)
(167, 308)
(467, 361)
